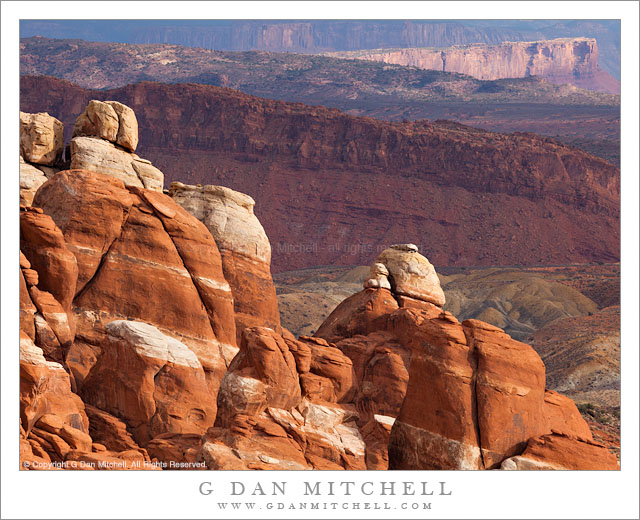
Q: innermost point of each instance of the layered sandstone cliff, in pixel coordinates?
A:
(560, 61)
(340, 188)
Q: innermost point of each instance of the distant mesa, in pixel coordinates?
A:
(560, 61)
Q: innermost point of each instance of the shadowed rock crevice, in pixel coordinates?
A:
(177, 251)
(105, 255)
(474, 394)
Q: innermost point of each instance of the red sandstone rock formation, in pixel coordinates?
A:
(563, 60)
(459, 396)
(279, 408)
(141, 281)
(45, 299)
(340, 188)
(142, 257)
(54, 428)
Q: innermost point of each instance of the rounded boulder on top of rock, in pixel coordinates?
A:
(100, 120)
(127, 135)
(104, 139)
(411, 274)
(41, 138)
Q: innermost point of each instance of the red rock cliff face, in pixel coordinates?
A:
(333, 188)
(563, 60)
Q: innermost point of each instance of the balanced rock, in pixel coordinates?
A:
(41, 138)
(244, 246)
(411, 274)
(104, 139)
(127, 135)
(109, 120)
(99, 119)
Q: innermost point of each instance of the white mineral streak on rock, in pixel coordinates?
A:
(457, 454)
(526, 464)
(214, 284)
(351, 439)
(33, 355)
(384, 419)
(335, 424)
(319, 416)
(148, 341)
(220, 456)
(228, 352)
(242, 394)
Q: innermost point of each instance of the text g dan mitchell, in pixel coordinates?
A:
(327, 488)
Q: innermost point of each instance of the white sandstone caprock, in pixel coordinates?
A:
(378, 277)
(100, 156)
(411, 274)
(228, 215)
(41, 138)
